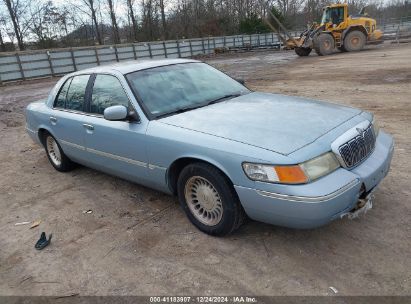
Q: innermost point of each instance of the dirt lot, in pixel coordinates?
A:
(138, 241)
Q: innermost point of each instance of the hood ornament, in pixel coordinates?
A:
(360, 131)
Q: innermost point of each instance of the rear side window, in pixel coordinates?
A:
(61, 98)
(107, 92)
(77, 92)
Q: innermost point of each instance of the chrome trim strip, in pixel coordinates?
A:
(113, 156)
(310, 199)
(152, 167)
(30, 130)
(72, 145)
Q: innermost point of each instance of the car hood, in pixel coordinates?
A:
(278, 123)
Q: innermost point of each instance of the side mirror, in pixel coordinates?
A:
(240, 81)
(116, 113)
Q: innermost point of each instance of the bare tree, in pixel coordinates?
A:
(148, 10)
(2, 45)
(113, 18)
(2, 22)
(14, 12)
(91, 5)
(130, 4)
(47, 23)
(163, 20)
(85, 22)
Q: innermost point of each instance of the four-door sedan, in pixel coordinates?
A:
(185, 128)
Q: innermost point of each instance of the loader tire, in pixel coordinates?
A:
(324, 44)
(354, 41)
(302, 51)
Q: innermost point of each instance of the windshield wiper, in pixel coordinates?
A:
(178, 111)
(185, 109)
(224, 97)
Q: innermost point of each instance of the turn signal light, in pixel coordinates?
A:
(291, 174)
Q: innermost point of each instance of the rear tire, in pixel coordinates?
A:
(302, 51)
(354, 41)
(324, 44)
(209, 199)
(55, 154)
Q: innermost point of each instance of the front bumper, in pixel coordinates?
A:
(317, 203)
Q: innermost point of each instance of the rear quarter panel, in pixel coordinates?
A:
(37, 114)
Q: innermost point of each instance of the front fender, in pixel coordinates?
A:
(354, 27)
(202, 158)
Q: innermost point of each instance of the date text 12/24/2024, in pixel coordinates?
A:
(203, 299)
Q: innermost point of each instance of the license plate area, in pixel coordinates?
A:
(362, 207)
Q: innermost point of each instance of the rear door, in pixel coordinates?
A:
(67, 118)
(117, 147)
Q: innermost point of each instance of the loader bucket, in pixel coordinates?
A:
(290, 45)
(375, 37)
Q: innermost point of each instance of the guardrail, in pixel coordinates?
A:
(56, 62)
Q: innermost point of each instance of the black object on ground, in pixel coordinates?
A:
(43, 241)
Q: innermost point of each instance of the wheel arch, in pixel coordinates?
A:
(42, 131)
(351, 28)
(325, 33)
(179, 164)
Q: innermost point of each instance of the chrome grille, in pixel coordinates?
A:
(358, 148)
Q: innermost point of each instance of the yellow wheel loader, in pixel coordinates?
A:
(337, 30)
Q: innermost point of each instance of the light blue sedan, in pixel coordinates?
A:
(185, 128)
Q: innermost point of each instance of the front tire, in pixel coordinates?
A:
(209, 199)
(354, 41)
(55, 154)
(324, 44)
(302, 51)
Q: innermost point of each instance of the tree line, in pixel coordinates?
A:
(39, 24)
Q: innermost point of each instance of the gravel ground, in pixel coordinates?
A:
(138, 241)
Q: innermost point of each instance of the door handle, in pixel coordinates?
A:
(53, 120)
(88, 127)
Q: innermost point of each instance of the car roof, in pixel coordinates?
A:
(134, 65)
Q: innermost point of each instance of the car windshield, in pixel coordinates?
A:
(181, 87)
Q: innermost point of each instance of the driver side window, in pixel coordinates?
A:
(107, 92)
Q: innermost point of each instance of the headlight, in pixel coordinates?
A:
(293, 174)
(375, 126)
(321, 165)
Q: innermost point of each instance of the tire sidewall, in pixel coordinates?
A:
(300, 51)
(65, 162)
(318, 44)
(347, 41)
(220, 183)
(326, 37)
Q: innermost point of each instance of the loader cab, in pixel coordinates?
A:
(334, 14)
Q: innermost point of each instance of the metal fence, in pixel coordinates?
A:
(56, 62)
(43, 63)
(383, 23)
(397, 30)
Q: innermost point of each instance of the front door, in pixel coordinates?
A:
(117, 147)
